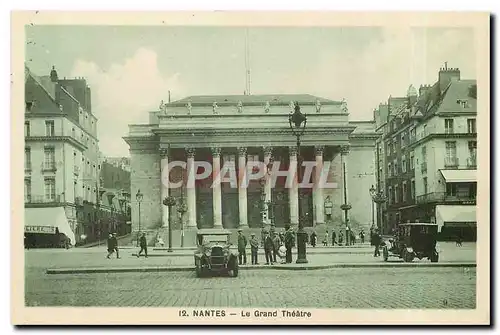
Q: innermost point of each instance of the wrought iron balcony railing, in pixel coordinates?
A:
(443, 197)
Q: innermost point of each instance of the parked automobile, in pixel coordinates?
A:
(213, 253)
(413, 240)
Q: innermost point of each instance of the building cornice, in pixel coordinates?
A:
(31, 115)
(441, 136)
(68, 139)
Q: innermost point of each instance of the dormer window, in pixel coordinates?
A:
(463, 103)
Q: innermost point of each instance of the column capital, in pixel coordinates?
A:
(268, 150)
(215, 151)
(163, 153)
(318, 150)
(292, 150)
(242, 151)
(344, 149)
(190, 151)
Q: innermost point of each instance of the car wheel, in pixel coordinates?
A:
(385, 254)
(434, 257)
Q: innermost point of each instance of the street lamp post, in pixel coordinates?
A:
(373, 193)
(297, 122)
(169, 202)
(377, 198)
(139, 196)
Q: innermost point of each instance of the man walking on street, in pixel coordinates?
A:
(276, 245)
(144, 245)
(289, 242)
(242, 245)
(254, 248)
(376, 242)
(112, 245)
(334, 238)
(268, 248)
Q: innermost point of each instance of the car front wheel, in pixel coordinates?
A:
(233, 271)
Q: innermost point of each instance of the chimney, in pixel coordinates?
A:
(446, 75)
(411, 94)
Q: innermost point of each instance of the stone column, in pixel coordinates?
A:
(190, 189)
(242, 191)
(293, 191)
(216, 191)
(267, 187)
(318, 188)
(164, 180)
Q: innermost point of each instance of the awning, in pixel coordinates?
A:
(459, 176)
(451, 215)
(46, 220)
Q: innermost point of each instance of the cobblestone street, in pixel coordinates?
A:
(334, 288)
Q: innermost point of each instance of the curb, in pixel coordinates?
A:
(253, 267)
(174, 253)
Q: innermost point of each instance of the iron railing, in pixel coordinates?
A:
(443, 197)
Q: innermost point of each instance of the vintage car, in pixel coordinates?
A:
(213, 254)
(413, 240)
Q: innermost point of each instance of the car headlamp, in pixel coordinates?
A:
(226, 252)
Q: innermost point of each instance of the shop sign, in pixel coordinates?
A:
(39, 230)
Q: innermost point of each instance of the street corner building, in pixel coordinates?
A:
(237, 129)
(67, 198)
(427, 156)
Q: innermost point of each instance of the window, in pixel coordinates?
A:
(390, 195)
(73, 133)
(412, 161)
(396, 170)
(471, 126)
(412, 189)
(448, 126)
(403, 140)
(389, 170)
(27, 130)
(395, 143)
(451, 149)
(424, 154)
(27, 190)
(472, 148)
(451, 189)
(50, 158)
(27, 158)
(50, 189)
(404, 190)
(49, 128)
(425, 131)
(424, 182)
(403, 164)
(396, 194)
(389, 149)
(413, 134)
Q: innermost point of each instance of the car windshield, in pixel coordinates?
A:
(214, 238)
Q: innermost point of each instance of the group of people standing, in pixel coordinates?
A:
(276, 245)
(313, 238)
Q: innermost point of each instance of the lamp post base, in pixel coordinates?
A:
(301, 246)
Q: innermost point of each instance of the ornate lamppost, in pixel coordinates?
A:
(139, 196)
(169, 202)
(297, 122)
(378, 198)
(181, 209)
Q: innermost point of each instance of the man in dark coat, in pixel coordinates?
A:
(334, 238)
(242, 244)
(314, 238)
(268, 248)
(144, 245)
(289, 243)
(112, 245)
(254, 248)
(376, 242)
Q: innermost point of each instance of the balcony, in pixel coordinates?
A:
(451, 162)
(444, 198)
(49, 167)
(471, 162)
(42, 199)
(423, 167)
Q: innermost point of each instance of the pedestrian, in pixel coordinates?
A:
(314, 237)
(362, 236)
(144, 246)
(289, 243)
(376, 242)
(254, 248)
(242, 245)
(325, 239)
(334, 238)
(353, 237)
(276, 246)
(268, 248)
(112, 246)
(341, 237)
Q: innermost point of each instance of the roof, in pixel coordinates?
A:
(457, 92)
(459, 176)
(213, 231)
(273, 99)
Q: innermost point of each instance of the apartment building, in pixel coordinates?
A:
(431, 156)
(61, 158)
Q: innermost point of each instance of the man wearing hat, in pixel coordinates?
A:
(268, 247)
(254, 248)
(113, 245)
(242, 244)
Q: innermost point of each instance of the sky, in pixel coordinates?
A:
(130, 69)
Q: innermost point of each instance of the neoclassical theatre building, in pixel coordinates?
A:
(238, 129)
